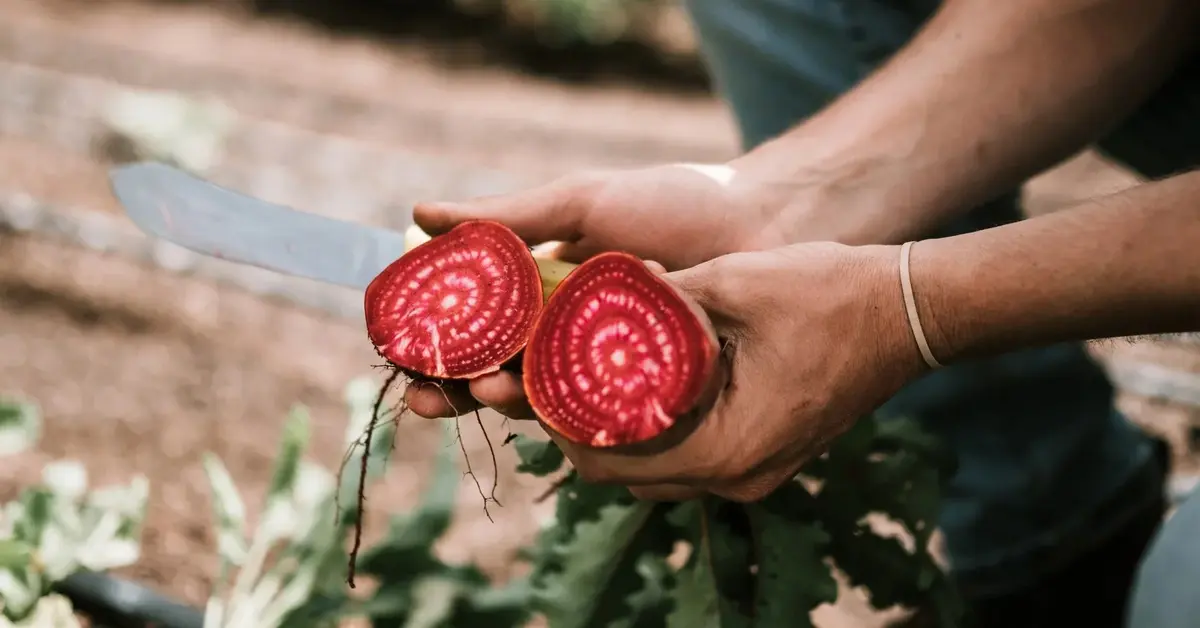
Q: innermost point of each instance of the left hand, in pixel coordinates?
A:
(819, 339)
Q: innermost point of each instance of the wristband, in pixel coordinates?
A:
(910, 306)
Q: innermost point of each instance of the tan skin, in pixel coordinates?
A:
(1029, 82)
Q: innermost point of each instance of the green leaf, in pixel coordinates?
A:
(898, 471)
(729, 549)
(538, 457)
(793, 577)
(15, 554)
(434, 599)
(229, 511)
(20, 426)
(696, 603)
(578, 502)
(586, 580)
(507, 605)
(291, 450)
(51, 611)
(649, 605)
(19, 592)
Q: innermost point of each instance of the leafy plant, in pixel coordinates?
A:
(303, 530)
(606, 560)
(59, 527)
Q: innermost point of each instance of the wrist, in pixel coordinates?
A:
(945, 279)
(849, 197)
(878, 290)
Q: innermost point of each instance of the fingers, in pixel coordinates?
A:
(554, 211)
(503, 392)
(500, 391)
(710, 285)
(655, 267)
(433, 401)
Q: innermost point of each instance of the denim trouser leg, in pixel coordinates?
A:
(1166, 592)
(1040, 445)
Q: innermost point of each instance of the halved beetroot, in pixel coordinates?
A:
(457, 306)
(619, 356)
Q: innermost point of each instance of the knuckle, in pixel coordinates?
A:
(722, 274)
(585, 181)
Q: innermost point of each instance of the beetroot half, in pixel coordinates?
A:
(457, 306)
(619, 357)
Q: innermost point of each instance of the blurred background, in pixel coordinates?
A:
(142, 357)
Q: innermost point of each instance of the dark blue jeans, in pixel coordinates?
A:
(1042, 450)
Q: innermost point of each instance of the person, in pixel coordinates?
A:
(867, 124)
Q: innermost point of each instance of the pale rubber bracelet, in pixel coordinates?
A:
(910, 305)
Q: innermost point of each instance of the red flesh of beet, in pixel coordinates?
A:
(458, 306)
(617, 355)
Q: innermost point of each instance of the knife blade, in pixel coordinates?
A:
(174, 205)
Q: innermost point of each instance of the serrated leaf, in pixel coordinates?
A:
(901, 475)
(792, 577)
(584, 581)
(538, 457)
(696, 603)
(576, 502)
(20, 426)
(649, 605)
(730, 550)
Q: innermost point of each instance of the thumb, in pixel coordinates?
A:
(555, 211)
(711, 287)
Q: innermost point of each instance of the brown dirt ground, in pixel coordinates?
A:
(141, 371)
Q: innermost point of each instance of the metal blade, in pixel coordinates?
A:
(174, 205)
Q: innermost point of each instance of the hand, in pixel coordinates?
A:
(678, 215)
(818, 339)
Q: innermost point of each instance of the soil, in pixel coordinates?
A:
(141, 371)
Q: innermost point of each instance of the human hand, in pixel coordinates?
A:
(817, 337)
(678, 215)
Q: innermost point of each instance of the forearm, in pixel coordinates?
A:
(988, 94)
(1123, 265)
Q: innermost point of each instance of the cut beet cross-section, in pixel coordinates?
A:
(457, 306)
(618, 355)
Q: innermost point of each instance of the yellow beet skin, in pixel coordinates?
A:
(552, 271)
